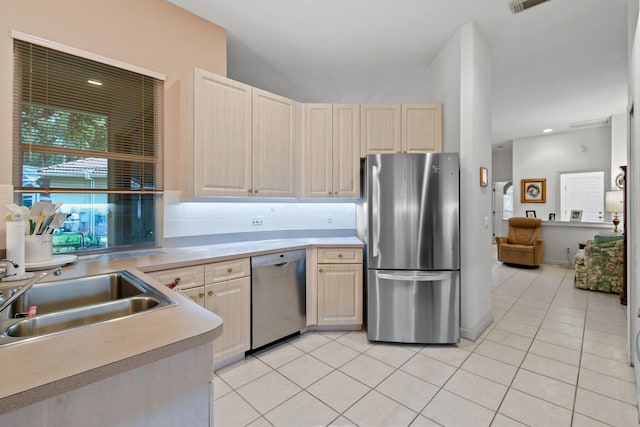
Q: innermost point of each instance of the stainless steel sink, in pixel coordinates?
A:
(74, 303)
(55, 322)
(57, 296)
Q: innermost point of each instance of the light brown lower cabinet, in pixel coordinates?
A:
(231, 300)
(339, 286)
(339, 294)
(225, 289)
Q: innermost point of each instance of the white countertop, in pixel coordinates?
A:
(50, 365)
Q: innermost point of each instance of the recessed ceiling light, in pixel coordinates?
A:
(95, 82)
(547, 130)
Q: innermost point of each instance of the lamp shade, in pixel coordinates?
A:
(614, 201)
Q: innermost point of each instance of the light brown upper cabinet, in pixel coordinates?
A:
(217, 153)
(401, 128)
(240, 140)
(421, 128)
(332, 145)
(274, 145)
(381, 130)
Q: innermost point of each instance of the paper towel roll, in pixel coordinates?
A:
(15, 247)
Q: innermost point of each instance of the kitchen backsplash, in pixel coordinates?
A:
(202, 218)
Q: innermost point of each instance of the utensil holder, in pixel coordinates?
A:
(38, 248)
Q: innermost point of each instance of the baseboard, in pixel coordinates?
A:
(562, 262)
(473, 334)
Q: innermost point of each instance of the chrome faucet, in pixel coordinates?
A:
(15, 295)
(4, 270)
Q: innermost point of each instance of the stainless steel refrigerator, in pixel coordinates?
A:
(409, 221)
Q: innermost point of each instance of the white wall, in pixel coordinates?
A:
(633, 195)
(475, 151)
(562, 239)
(501, 165)
(460, 79)
(546, 155)
(220, 218)
(619, 142)
(443, 87)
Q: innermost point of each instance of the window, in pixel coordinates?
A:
(87, 135)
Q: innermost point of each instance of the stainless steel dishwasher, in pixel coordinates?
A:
(278, 296)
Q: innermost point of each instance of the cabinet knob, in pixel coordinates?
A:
(335, 193)
(255, 191)
(210, 293)
(229, 270)
(329, 192)
(201, 295)
(250, 191)
(320, 270)
(339, 255)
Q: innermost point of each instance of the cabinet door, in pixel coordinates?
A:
(421, 128)
(222, 136)
(339, 294)
(380, 128)
(346, 150)
(194, 294)
(318, 135)
(231, 300)
(273, 145)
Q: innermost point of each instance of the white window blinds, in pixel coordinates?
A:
(84, 126)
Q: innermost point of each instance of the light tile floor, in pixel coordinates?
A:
(554, 356)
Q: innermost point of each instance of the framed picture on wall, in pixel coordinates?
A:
(533, 190)
(530, 214)
(576, 215)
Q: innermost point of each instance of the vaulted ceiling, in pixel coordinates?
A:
(561, 62)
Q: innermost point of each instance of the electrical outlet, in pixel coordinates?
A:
(258, 220)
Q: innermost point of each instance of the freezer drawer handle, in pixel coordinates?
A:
(414, 277)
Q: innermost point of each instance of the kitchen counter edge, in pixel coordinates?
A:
(51, 365)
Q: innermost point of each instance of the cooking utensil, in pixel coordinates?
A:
(56, 222)
(36, 229)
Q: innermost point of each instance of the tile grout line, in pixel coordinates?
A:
(497, 411)
(521, 298)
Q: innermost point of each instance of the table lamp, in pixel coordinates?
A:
(614, 202)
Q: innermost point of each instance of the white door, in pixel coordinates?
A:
(582, 191)
(502, 205)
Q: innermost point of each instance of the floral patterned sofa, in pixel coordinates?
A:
(599, 265)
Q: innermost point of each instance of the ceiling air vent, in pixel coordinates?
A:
(518, 6)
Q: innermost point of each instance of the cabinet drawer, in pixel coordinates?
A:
(340, 255)
(189, 276)
(227, 270)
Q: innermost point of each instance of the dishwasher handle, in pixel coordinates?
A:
(282, 264)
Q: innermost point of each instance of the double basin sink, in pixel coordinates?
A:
(68, 304)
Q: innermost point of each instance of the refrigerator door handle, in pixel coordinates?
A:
(375, 223)
(415, 277)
